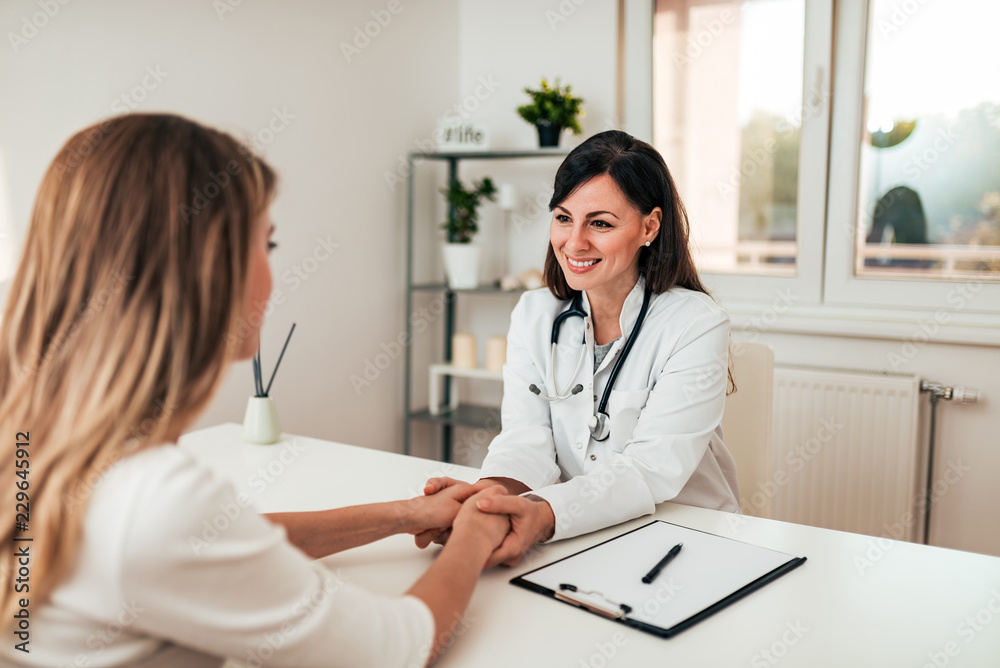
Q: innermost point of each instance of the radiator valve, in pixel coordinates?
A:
(962, 395)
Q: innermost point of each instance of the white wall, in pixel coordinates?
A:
(352, 123)
(521, 41)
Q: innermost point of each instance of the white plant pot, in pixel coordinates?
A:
(461, 265)
(260, 424)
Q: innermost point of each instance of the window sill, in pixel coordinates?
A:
(937, 326)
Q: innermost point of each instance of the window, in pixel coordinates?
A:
(740, 114)
(929, 182)
(728, 119)
(878, 187)
(914, 161)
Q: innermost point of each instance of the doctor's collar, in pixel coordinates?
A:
(633, 300)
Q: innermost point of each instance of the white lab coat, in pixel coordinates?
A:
(665, 412)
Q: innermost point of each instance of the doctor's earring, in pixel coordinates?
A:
(648, 243)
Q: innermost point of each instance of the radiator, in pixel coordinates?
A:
(845, 451)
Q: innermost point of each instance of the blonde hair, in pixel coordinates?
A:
(121, 318)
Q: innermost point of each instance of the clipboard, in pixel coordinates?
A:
(710, 573)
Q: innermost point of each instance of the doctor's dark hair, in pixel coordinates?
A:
(643, 177)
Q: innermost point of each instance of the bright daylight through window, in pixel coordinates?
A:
(929, 179)
(728, 113)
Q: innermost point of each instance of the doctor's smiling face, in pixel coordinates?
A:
(596, 236)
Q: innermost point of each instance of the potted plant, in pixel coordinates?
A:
(552, 110)
(461, 258)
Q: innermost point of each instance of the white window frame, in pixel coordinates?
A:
(824, 297)
(805, 287)
(843, 287)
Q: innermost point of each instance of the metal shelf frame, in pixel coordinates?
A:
(465, 414)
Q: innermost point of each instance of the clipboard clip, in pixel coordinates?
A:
(598, 602)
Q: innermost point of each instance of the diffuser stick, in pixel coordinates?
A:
(289, 338)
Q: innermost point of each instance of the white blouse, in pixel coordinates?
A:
(148, 590)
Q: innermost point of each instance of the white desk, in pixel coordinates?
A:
(858, 601)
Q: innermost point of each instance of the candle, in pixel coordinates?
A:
(463, 350)
(496, 353)
(508, 197)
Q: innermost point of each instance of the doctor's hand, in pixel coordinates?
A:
(428, 516)
(531, 521)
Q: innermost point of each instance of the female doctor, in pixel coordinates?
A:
(616, 374)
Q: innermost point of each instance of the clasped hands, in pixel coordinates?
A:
(450, 504)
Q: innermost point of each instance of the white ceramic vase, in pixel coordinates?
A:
(260, 424)
(461, 265)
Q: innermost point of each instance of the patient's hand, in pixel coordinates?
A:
(432, 514)
(435, 485)
(444, 486)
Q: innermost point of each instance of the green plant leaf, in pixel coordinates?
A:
(555, 104)
(463, 208)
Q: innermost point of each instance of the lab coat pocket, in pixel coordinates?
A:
(624, 407)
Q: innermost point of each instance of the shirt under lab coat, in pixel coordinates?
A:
(665, 411)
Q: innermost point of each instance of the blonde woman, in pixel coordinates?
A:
(133, 295)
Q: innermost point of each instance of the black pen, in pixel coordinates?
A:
(650, 576)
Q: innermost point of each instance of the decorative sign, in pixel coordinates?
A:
(457, 135)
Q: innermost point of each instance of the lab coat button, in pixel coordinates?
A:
(579, 444)
(593, 458)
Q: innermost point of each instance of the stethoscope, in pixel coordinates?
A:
(600, 422)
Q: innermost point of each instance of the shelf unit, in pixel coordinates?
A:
(449, 373)
(447, 415)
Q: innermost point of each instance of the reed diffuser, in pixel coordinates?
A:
(260, 424)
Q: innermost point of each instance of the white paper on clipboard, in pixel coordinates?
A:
(707, 570)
